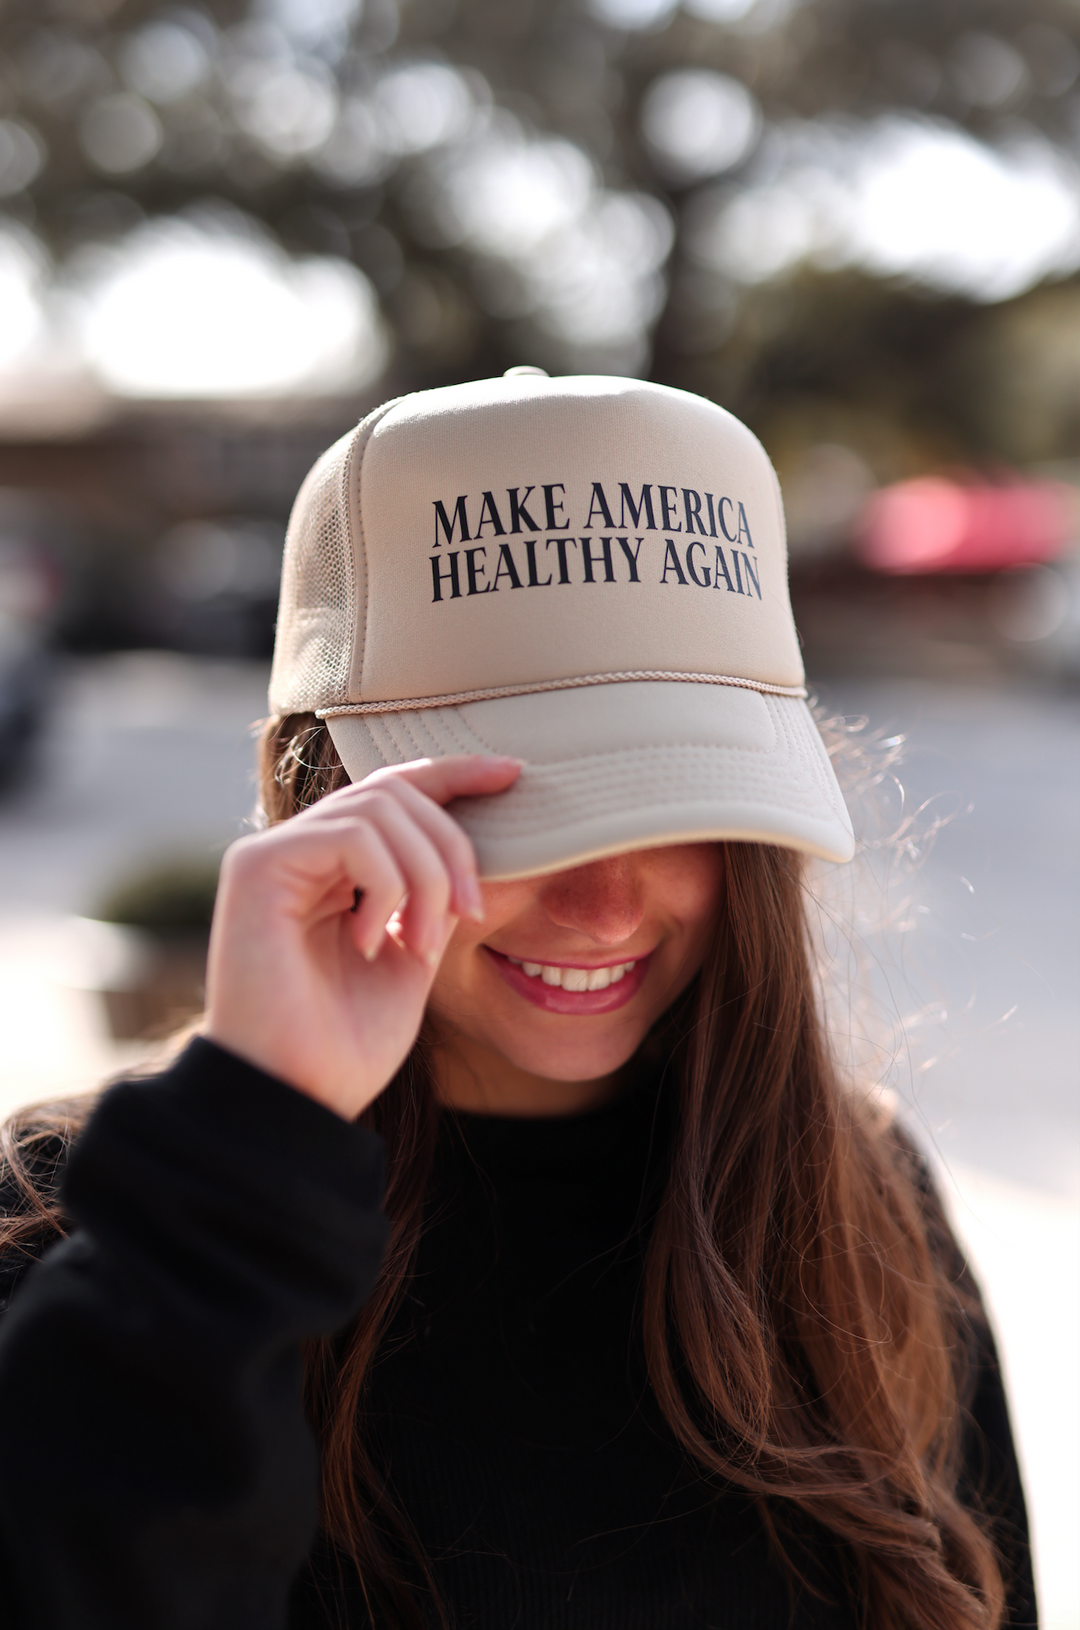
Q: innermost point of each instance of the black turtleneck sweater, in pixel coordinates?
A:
(156, 1471)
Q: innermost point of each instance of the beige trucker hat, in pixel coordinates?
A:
(588, 573)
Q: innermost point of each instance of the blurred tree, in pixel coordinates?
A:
(620, 184)
(908, 378)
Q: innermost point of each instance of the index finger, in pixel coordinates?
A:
(458, 775)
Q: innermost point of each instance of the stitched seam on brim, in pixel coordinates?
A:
(774, 794)
(495, 692)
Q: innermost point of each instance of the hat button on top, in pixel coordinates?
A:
(523, 369)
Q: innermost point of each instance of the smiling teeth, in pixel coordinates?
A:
(574, 978)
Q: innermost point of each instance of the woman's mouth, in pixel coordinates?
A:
(561, 987)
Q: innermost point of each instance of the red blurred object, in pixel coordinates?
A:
(936, 525)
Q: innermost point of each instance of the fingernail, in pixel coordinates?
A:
(371, 949)
(472, 899)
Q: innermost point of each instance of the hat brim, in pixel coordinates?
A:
(620, 766)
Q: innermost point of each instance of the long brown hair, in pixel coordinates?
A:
(805, 1316)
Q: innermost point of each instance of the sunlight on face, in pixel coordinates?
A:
(539, 1006)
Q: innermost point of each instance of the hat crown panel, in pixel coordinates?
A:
(526, 531)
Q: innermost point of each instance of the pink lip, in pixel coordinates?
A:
(553, 999)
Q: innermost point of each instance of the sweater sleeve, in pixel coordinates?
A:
(991, 1483)
(156, 1469)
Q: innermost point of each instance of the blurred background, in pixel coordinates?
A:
(229, 229)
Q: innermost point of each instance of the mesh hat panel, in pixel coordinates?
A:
(319, 641)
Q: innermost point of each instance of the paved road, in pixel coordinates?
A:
(985, 965)
(971, 988)
(147, 755)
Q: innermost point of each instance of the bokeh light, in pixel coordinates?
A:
(937, 525)
(421, 105)
(699, 123)
(986, 70)
(313, 22)
(183, 309)
(22, 273)
(120, 133)
(164, 61)
(586, 260)
(289, 107)
(718, 11)
(21, 157)
(903, 196)
(633, 14)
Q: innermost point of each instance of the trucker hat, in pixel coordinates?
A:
(588, 573)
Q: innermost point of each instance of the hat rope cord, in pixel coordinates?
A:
(494, 692)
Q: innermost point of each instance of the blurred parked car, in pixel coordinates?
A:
(1020, 539)
(214, 586)
(959, 578)
(937, 525)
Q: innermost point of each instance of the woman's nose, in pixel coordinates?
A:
(603, 900)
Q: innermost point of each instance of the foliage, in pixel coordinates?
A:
(534, 179)
(176, 897)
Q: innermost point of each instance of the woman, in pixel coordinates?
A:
(664, 1325)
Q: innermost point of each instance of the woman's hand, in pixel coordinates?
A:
(323, 992)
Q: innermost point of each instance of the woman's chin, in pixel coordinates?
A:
(550, 1058)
